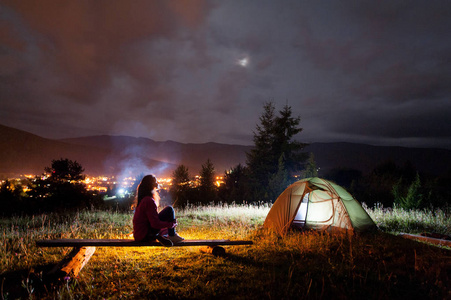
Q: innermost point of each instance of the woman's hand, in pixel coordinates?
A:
(174, 223)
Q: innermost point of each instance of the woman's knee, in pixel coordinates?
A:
(168, 209)
(167, 214)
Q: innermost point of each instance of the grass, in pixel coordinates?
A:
(412, 221)
(307, 265)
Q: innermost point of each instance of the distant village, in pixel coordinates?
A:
(109, 184)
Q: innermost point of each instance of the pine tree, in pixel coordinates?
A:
(311, 170)
(207, 186)
(260, 160)
(286, 127)
(273, 139)
(279, 181)
(412, 198)
(235, 189)
(180, 188)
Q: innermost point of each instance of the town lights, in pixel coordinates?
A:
(121, 192)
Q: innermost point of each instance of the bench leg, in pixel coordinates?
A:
(72, 264)
(215, 250)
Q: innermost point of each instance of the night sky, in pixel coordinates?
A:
(376, 72)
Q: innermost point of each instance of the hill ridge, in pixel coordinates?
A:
(22, 152)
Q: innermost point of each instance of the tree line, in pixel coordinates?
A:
(60, 189)
(275, 161)
(269, 168)
(391, 184)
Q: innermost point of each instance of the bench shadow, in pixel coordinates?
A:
(25, 283)
(241, 260)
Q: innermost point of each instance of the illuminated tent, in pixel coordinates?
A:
(318, 204)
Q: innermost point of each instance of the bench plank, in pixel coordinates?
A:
(132, 243)
(72, 264)
(83, 249)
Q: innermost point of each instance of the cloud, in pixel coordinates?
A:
(78, 53)
(84, 38)
(368, 71)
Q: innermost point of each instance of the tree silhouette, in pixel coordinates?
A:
(260, 160)
(286, 127)
(65, 170)
(10, 197)
(236, 185)
(207, 188)
(412, 198)
(63, 189)
(310, 170)
(279, 181)
(180, 189)
(273, 139)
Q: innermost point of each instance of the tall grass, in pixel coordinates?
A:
(222, 220)
(306, 265)
(411, 221)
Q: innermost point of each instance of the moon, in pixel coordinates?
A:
(244, 62)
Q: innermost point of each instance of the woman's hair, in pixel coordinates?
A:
(147, 187)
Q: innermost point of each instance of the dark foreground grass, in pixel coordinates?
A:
(305, 265)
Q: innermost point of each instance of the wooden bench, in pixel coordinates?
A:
(83, 249)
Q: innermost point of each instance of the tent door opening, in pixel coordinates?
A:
(301, 214)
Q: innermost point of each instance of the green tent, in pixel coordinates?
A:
(318, 204)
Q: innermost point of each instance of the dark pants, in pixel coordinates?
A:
(167, 215)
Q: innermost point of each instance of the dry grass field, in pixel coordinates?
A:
(307, 265)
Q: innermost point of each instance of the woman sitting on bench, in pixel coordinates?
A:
(148, 224)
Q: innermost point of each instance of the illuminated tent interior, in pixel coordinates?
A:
(317, 204)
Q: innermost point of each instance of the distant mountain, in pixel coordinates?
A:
(132, 149)
(25, 153)
(22, 152)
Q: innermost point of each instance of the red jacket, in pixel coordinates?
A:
(146, 217)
